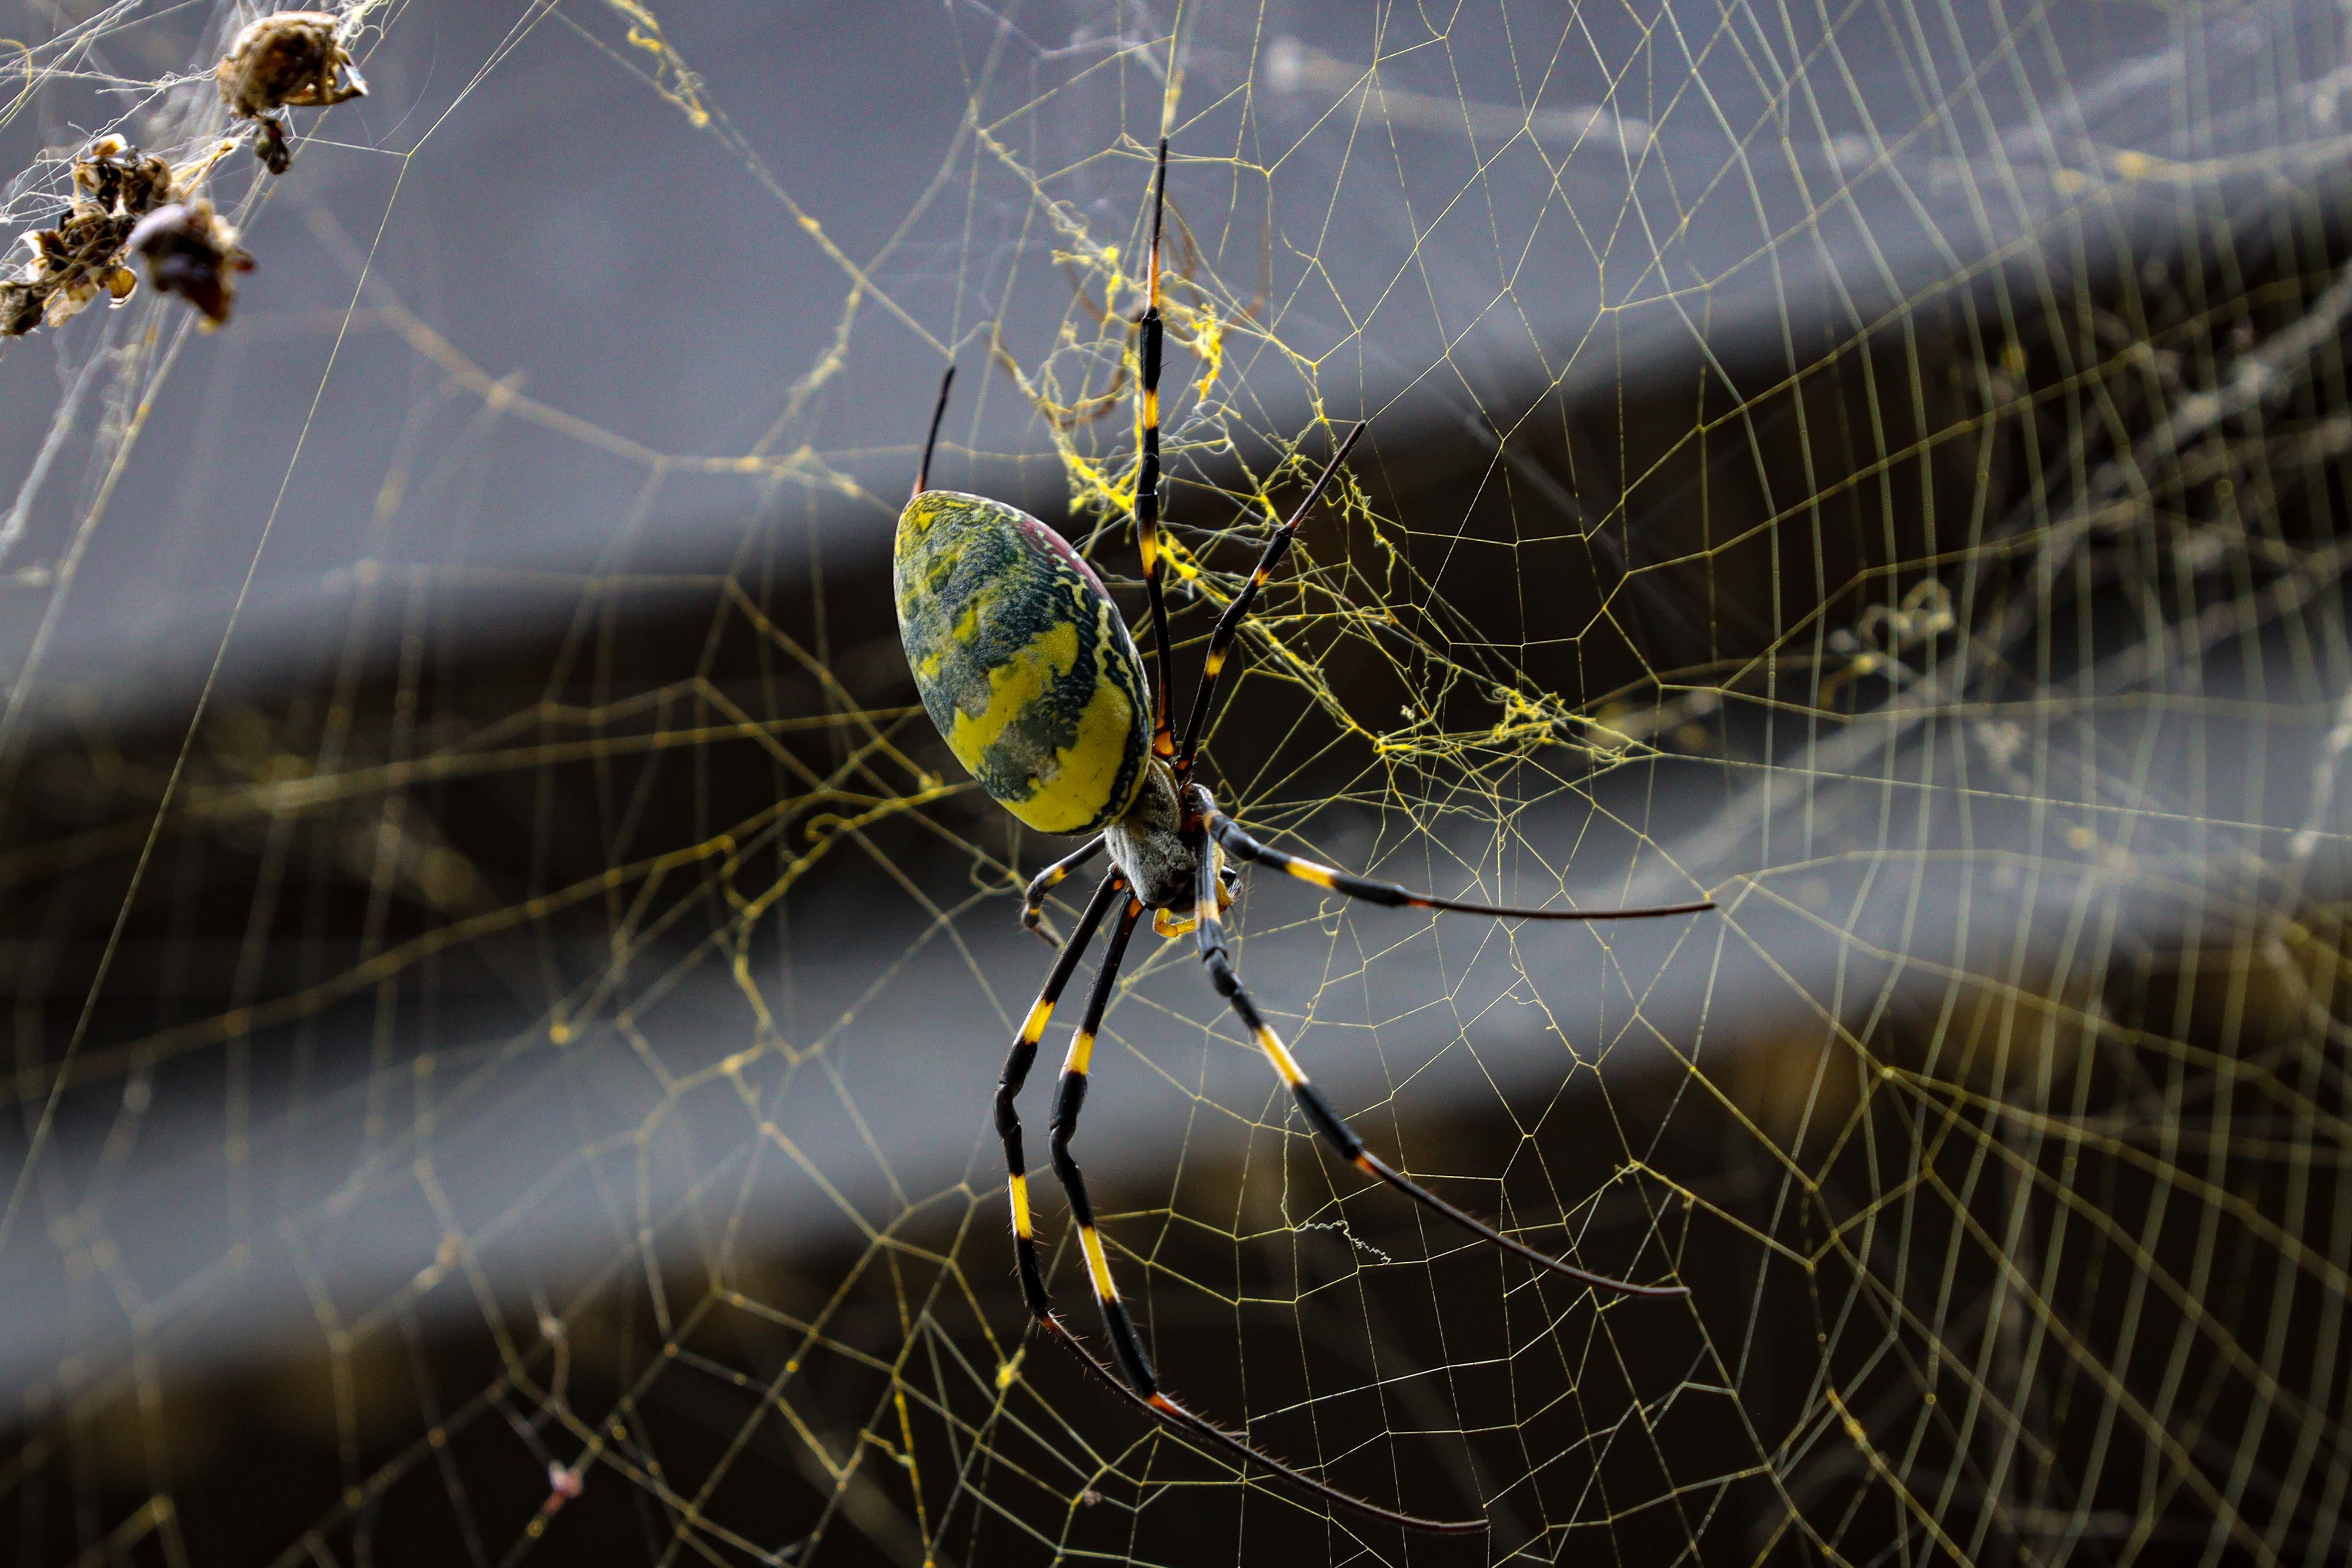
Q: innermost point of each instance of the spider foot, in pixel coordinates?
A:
(1169, 1414)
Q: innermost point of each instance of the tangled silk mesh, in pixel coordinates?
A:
(509, 1079)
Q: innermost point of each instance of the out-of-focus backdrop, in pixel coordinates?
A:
(504, 986)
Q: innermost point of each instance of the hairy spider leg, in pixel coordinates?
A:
(1150, 341)
(323, 93)
(1017, 1063)
(1221, 640)
(1140, 1387)
(938, 412)
(1241, 846)
(1342, 1138)
(1033, 902)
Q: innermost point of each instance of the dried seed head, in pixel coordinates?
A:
(113, 178)
(191, 253)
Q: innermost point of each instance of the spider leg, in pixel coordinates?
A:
(1241, 846)
(1033, 903)
(1161, 1408)
(1335, 1130)
(938, 412)
(1221, 640)
(1140, 1387)
(1017, 1063)
(1069, 1098)
(1150, 337)
(324, 92)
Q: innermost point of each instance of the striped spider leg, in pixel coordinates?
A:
(1140, 1387)
(1204, 821)
(1033, 901)
(1151, 342)
(1217, 956)
(1221, 640)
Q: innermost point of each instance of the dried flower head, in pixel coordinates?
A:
(192, 252)
(72, 264)
(114, 178)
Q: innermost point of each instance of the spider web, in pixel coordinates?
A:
(506, 984)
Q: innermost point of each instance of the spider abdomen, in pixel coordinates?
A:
(1022, 661)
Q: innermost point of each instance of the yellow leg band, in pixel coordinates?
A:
(1020, 1185)
(1308, 871)
(1096, 1264)
(1082, 1053)
(1279, 1054)
(1151, 407)
(1034, 1030)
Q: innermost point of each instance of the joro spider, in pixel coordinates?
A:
(1034, 682)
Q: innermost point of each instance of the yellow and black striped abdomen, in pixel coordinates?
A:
(1022, 661)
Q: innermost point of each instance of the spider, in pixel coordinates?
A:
(291, 58)
(1035, 684)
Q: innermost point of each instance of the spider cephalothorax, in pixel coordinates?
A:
(1029, 672)
(1150, 846)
